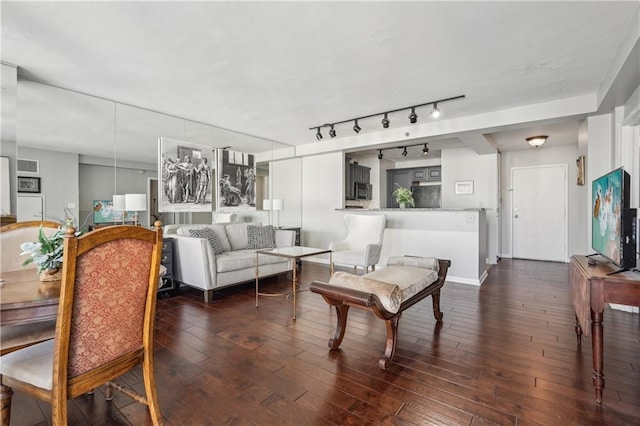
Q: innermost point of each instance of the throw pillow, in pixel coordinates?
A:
(214, 243)
(261, 237)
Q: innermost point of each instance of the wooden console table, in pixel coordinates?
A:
(591, 288)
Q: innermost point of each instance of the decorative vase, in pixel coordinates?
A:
(402, 204)
(51, 275)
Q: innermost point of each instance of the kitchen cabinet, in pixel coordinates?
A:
(354, 173)
(395, 178)
(425, 174)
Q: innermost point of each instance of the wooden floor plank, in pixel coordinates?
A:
(505, 353)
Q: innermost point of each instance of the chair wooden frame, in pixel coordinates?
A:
(342, 298)
(65, 388)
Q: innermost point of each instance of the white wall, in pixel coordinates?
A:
(322, 180)
(58, 180)
(286, 183)
(463, 164)
(546, 155)
(8, 108)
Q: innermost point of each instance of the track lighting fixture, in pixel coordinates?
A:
(425, 150)
(404, 153)
(413, 117)
(385, 121)
(380, 154)
(435, 112)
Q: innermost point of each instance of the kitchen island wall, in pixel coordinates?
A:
(455, 234)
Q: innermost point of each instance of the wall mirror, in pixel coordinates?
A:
(89, 148)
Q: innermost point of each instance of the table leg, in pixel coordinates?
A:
(596, 348)
(330, 264)
(578, 331)
(5, 404)
(257, 274)
(295, 283)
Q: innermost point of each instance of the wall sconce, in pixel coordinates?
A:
(537, 141)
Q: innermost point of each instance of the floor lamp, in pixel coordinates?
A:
(136, 203)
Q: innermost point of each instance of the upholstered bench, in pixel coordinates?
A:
(387, 292)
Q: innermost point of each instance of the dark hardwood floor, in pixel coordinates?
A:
(505, 353)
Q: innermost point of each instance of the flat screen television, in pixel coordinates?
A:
(613, 223)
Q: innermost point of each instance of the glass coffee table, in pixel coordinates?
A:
(294, 253)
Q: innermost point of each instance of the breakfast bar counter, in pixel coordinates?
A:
(458, 234)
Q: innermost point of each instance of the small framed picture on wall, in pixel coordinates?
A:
(29, 184)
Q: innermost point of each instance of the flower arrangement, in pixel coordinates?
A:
(404, 196)
(47, 251)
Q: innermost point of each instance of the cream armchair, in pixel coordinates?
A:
(363, 244)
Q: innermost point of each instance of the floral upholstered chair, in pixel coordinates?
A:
(11, 237)
(104, 326)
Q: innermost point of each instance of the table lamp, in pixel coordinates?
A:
(136, 203)
(119, 205)
(277, 204)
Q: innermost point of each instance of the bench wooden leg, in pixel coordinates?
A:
(437, 313)
(342, 311)
(392, 338)
(5, 404)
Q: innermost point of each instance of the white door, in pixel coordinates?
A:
(539, 212)
(30, 207)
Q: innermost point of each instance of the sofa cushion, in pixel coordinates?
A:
(260, 237)
(208, 233)
(243, 259)
(217, 229)
(237, 234)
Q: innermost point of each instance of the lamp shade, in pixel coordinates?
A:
(135, 202)
(118, 203)
(278, 204)
(266, 204)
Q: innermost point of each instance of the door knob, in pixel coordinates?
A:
(516, 216)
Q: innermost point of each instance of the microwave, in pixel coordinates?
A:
(362, 191)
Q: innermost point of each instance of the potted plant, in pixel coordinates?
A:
(47, 253)
(404, 197)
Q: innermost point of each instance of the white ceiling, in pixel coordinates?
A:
(272, 70)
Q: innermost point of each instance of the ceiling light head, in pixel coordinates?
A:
(356, 128)
(385, 121)
(332, 132)
(435, 112)
(425, 150)
(380, 154)
(318, 134)
(536, 141)
(404, 153)
(413, 117)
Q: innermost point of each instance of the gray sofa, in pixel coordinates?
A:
(197, 266)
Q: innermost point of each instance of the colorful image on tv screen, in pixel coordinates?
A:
(606, 215)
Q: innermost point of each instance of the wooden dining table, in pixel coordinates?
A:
(24, 299)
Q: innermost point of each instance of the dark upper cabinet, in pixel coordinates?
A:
(354, 173)
(433, 173)
(419, 174)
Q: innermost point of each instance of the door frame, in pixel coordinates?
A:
(566, 205)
